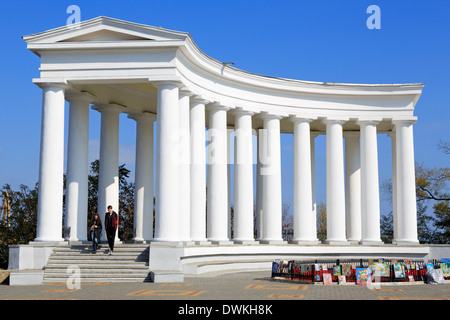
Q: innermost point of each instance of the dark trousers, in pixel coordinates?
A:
(111, 235)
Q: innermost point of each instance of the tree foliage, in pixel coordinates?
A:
(18, 226)
(433, 203)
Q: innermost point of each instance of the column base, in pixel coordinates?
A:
(221, 242)
(371, 242)
(337, 242)
(162, 242)
(306, 242)
(268, 241)
(406, 242)
(244, 241)
(202, 242)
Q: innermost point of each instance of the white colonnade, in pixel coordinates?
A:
(190, 207)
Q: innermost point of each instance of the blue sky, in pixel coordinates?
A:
(306, 40)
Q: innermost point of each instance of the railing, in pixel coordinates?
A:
(381, 270)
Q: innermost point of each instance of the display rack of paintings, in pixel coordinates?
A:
(358, 271)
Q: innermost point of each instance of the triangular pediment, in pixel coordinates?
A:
(104, 29)
(104, 35)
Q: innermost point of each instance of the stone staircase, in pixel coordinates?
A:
(128, 263)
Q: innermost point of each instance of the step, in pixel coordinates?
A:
(127, 263)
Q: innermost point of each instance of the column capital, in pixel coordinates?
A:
(44, 84)
(373, 121)
(162, 83)
(266, 115)
(297, 118)
(105, 107)
(186, 92)
(80, 96)
(334, 120)
(217, 106)
(400, 121)
(142, 116)
(241, 111)
(199, 99)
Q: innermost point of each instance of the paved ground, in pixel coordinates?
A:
(239, 286)
(240, 295)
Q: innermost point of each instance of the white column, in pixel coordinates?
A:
(217, 194)
(143, 197)
(313, 182)
(185, 166)
(167, 163)
(271, 174)
(108, 178)
(198, 169)
(395, 219)
(303, 208)
(51, 165)
(370, 192)
(259, 183)
(77, 168)
(335, 184)
(406, 185)
(353, 186)
(243, 178)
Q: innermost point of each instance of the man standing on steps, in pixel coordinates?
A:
(111, 223)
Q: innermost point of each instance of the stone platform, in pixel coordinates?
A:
(173, 261)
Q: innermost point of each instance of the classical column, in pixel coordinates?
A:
(51, 164)
(313, 136)
(370, 193)
(335, 183)
(303, 209)
(259, 183)
(198, 169)
(406, 185)
(395, 218)
(271, 175)
(243, 178)
(217, 194)
(108, 178)
(352, 186)
(77, 167)
(143, 198)
(185, 166)
(167, 163)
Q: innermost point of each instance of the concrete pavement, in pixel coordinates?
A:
(238, 286)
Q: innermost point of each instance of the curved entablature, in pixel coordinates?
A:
(105, 56)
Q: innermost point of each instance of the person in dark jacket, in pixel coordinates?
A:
(111, 223)
(96, 230)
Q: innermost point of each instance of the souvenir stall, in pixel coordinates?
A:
(362, 271)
